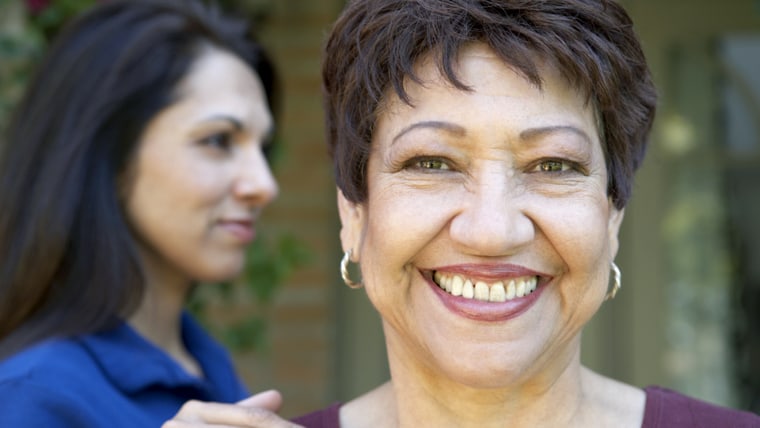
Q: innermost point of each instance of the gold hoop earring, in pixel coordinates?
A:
(344, 271)
(616, 285)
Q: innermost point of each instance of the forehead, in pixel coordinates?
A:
(493, 85)
(214, 70)
(219, 82)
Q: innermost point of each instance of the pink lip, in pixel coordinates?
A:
(241, 229)
(488, 311)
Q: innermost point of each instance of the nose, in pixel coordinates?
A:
(255, 184)
(493, 219)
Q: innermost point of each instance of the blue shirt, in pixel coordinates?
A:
(111, 379)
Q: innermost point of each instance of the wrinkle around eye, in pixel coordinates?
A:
(564, 184)
(424, 179)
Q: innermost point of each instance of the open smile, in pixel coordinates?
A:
(486, 291)
(487, 294)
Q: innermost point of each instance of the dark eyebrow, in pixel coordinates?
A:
(238, 125)
(445, 126)
(533, 133)
(224, 118)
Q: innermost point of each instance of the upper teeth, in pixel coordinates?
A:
(498, 291)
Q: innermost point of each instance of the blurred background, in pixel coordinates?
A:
(688, 316)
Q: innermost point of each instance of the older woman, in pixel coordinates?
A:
(484, 153)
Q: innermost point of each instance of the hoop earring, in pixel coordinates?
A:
(616, 285)
(344, 271)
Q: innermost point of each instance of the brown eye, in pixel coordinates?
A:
(552, 166)
(220, 141)
(432, 164)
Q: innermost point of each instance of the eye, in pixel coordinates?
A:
(269, 150)
(554, 165)
(431, 163)
(219, 140)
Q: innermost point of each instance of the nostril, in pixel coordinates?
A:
(492, 232)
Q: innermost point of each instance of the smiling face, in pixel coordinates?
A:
(199, 178)
(487, 235)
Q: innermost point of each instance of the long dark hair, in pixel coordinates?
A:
(68, 261)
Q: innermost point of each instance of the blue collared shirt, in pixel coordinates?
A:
(111, 379)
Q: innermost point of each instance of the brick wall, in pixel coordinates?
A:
(299, 358)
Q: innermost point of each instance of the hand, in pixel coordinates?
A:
(257, 411)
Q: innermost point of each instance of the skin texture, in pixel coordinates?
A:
(507, 180)
(196, 188)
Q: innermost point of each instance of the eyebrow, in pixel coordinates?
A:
(534, 133)
(526, 135)
(238, 125)
(224, 118)
(434, 124)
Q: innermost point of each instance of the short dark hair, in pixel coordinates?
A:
(68, 259)
(375, 44)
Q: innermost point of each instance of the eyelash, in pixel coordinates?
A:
(213, 141)
(434, 164)
(548, 165)
(268, 149)
(419, 163)
(566, 166)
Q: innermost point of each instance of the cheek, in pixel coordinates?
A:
(186, 185)
(578, 222)
(401, 221)
(397, 229)
(165, 201)
(580, 238)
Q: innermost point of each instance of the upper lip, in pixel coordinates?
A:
(488, 272)
(248, 221)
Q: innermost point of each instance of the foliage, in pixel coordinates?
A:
(236, 311)
(47, 16)
(19, 46)
(26, 28)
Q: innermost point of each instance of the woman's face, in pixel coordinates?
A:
(199, 178)
(488, 194)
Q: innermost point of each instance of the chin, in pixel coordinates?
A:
(218, 273)
(485, 373)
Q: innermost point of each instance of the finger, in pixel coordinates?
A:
(175, 424)
(195, 411)
(204, 414)
(270, 400)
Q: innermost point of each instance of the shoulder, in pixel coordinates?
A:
(667, 408)
(35, 385)
(328, 417)
(52, 361)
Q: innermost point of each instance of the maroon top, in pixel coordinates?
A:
(328, 417)
(664, 409)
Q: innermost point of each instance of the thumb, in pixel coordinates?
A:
(270, 400)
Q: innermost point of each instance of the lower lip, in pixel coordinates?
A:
(241, 231)
(479, 310)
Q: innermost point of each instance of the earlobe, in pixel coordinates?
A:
(352, 225)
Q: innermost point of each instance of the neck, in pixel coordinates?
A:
(555, 391)
(548, 396)
(158, 317)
